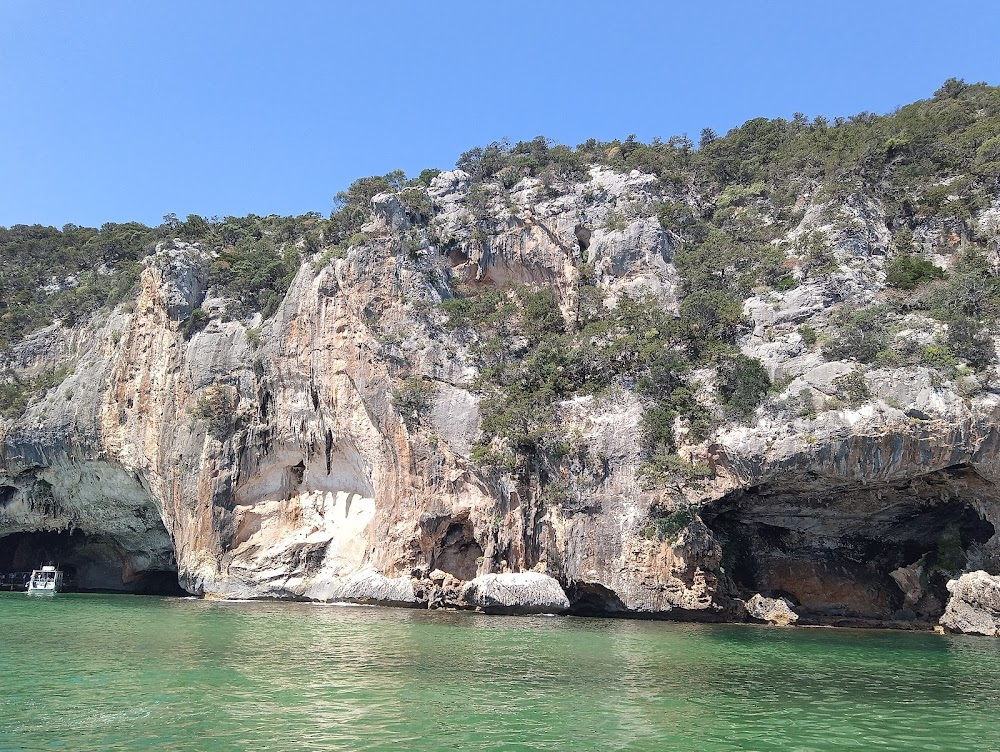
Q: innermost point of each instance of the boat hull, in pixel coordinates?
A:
(42, 591)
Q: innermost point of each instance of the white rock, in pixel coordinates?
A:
(772, 610)
(974, 605)
(521, 593)
(370, 586)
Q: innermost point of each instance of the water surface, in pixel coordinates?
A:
(94, 672)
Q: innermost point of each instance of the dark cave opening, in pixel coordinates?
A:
(872, 553)
(7, 494)
(459, 553)
(91, 562)
(594, 599)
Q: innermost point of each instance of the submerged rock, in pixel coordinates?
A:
(521, 593)
(974, 606)
(772, 610)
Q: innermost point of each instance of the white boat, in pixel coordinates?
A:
(45, 581)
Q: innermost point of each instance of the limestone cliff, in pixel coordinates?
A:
(279, 457)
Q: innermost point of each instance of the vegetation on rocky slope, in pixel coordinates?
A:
(731, 206)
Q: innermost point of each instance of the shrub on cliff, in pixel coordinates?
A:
(743, 384)
(194, 323)
(857, 334)
(255, 277)
(413, 399)
(65, 275)
(17, 391)
(969, 342)
(217, 407)
(909, 272)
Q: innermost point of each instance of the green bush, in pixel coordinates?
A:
(413, 399)
(807, 406)
(16, 392)
(967, 340)
(857, 333)
(255, 278)
(217, 407)
(938, 356)
(909, 272)
(658, 429)
(853, 388)
(194, 323)
(665, 468)
(541, 315)
(743, 384)
(808, 334)
(666, 526)
(785, 283)
(254, 338)
(971, 291)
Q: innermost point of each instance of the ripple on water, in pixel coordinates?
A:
(150, 673)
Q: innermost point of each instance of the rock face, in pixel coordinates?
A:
(974, 605)
(522, 593)
(776, 611)
(283, 464)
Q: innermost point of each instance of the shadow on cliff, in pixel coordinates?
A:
(850, 554)
(91, 562)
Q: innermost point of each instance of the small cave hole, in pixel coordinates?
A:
(265, 404)
(593, 599)
(459, 553)
(297, 472)
(456, 256)
(583, 235)
(7, 494)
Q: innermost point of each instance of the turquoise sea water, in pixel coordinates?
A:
(95, 672)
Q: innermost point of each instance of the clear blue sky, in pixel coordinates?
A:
(117, 110)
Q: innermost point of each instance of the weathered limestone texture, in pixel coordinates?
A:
(523, 593)
(283, 465)
(974, 606)
(776, 611)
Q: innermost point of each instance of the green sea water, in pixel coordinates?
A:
(95, 672)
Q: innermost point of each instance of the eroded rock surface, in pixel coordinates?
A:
(974, 605)
(285, 464)
(777, 611)
(521, 593)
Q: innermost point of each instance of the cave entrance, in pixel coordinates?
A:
(91, 562)
(853, 553)
(459, 553)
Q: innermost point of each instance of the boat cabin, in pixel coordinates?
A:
(47, 580)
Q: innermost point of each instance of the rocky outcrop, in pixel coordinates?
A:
(974, 605)
(777, 611)
(521, 593)
(283, 464)
(372, 587)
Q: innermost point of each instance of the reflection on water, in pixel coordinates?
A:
(88, 672)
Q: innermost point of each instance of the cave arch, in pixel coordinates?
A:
(849, 553)
(92, 562)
